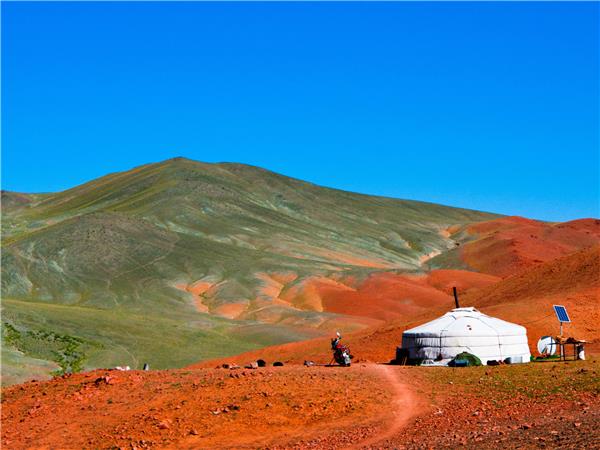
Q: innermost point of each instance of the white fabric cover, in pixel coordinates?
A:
(467, 330)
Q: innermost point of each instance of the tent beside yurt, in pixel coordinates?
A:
(464, 330)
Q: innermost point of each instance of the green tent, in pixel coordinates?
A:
(465, 359)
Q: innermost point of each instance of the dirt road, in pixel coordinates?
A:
(403, 406)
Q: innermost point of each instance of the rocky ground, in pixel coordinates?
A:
(550, 404)
(204, 408)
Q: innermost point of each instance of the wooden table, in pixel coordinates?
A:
(563, 342)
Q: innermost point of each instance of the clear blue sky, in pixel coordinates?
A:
(491, 106)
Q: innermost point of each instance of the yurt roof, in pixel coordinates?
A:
(466, 322)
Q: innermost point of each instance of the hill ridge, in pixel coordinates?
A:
(209, 249)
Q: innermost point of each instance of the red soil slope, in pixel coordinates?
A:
(508, 245)
(386, 295)
(527, 298)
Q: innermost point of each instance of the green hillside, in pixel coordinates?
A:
(109, 263)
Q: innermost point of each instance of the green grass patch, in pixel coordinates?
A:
(536, 381)
(86, 338)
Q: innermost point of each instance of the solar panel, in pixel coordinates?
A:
(561, 313)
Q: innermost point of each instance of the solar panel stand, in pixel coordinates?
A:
(561, 330)
(561, 315)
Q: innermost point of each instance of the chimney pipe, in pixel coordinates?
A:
(455, 296)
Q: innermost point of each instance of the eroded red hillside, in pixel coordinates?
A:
(508, 245)
(527, 298)
(386, 296)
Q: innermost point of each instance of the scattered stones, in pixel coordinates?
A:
(225, 409)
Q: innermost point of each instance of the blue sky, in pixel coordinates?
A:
(491, 106)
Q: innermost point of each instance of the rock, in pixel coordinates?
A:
(277, 364)
(261, 363)
(526, 426)
(252, 365)
(577, 424)
(102, 380)
(225, 366)
(193, 432)
(164, 425)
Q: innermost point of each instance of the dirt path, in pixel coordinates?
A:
(403, 407)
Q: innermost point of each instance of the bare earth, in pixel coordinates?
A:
(548, 404)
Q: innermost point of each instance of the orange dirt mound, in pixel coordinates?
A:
(507, 245)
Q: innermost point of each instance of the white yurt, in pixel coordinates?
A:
(465, 330)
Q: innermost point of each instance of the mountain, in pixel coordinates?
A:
(178, 261)
(181, 261)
